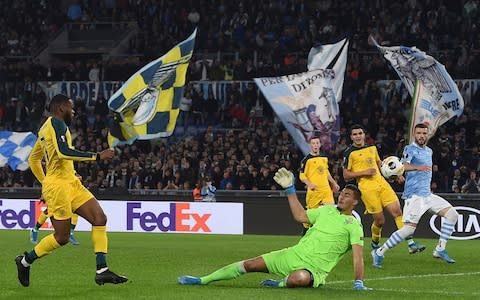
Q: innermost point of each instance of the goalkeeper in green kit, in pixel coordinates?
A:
(308, 263)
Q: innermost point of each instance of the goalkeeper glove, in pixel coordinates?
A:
(358, 286)
(286, 179)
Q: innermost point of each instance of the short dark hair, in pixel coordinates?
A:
(356, 126)
(420, 125)
(56, 101)
(355, 190)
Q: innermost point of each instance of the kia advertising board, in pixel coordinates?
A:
(467, 227)
(139, 216)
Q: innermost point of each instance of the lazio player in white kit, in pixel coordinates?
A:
(308, 263)
(417, 159)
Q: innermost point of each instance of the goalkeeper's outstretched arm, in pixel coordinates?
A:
(358, 266)
(286, 179)
(298, 212)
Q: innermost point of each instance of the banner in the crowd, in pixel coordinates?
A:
(147, 105)
(331, 56)
(412, 65)
(15, 147)
(88, 91)
(138, 216)
(306, 104)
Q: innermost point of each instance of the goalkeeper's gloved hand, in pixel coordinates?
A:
(358, 286)
(286, 179)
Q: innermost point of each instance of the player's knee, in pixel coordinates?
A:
(99, 219)
(407, 230)
(379, 222)
(396, 213)
(253, 265)
(451, 215)
(62, 238)
(300, 278)
(249, 265)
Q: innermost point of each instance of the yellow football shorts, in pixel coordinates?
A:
(376, 198)
(64, 197)
(317, 198)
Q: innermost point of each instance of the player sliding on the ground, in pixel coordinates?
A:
(308, 263)
(417, 159)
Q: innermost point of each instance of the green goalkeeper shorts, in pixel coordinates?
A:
(286, 261)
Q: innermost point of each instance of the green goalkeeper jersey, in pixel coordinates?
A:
(332, 235)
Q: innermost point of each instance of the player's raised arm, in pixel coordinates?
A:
(285, 178)
(35, 161)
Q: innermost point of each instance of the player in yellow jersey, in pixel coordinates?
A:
(316, 176)
(64, 193)
(362, 163)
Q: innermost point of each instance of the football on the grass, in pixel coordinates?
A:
(392, 167)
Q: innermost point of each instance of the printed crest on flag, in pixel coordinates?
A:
(147, 105)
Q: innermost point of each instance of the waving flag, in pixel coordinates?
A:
(331, 56)
(147, 105)
(426, 110)
(306, 104)
(436, 97)
(15, 147)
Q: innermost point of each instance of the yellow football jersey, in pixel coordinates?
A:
(54, 146)
(315, 169)
(357, 159)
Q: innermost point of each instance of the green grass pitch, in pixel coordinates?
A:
(154, 261)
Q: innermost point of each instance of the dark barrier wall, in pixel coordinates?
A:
(267, 212)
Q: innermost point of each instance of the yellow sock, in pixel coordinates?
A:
(46, 245)
(376, 233)
(42, 218)
(74, 219)
(399, 222)
(99, 239)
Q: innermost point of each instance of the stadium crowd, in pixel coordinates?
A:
(243, 142)
(270, 37)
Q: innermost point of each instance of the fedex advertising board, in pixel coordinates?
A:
(139, 216)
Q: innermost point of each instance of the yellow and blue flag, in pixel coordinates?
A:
(147, 105)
